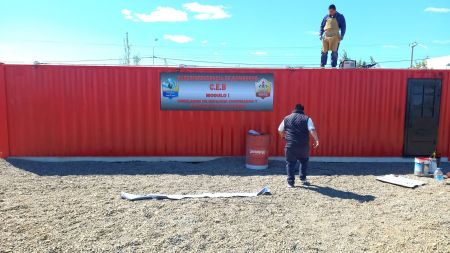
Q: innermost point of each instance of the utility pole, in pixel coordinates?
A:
(154, 45)
(412, 45)
(126, 44)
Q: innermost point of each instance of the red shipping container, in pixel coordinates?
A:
(4, 143)
(115, 111)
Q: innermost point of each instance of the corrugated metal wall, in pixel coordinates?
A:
(444, 120)
(4, 143)
(115, 111)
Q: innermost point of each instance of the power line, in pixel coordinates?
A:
(406, 60)
(210, 62)
(278, 58)
(273, 57)
(89, 60)
(227, 63)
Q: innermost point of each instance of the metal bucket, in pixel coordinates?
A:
(421, 166)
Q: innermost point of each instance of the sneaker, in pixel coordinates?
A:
(290, 185)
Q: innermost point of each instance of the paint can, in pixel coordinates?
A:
(421, 166)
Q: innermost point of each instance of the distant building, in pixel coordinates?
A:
(439, 62)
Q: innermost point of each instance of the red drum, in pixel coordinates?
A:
(257, 154)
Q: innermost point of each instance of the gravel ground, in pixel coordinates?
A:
(75, 207)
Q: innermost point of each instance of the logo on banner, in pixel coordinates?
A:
(170, 88)
(263, 88)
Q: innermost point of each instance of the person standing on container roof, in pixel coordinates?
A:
(330, 36)
(296, 128)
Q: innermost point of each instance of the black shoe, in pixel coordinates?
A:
(305, 183)
(290, 185)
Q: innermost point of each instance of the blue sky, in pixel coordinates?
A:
(280, 33)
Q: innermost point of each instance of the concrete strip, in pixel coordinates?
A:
(118, 159)
(210, 158)
(356, 159)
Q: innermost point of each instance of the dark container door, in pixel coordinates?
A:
(422, 116)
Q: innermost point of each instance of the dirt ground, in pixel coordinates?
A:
(76, 207)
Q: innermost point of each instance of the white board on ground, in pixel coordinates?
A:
(133, 197)
(402, 181)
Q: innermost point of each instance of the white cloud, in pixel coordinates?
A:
(206, 12)
(204, 42)
(161, 14)
(442, 42)
(223, 44)
(170, 14)
(126, 12)
(437, 10)
(390, 46)
(178, 38)
(260, 53)
(315, 33)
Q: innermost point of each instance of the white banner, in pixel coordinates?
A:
(134, 197)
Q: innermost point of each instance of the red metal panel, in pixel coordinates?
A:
(444, 120)
(356, 112)
(4, 142)
(115, 111)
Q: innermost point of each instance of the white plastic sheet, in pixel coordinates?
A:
(134, 197)
(402, 181)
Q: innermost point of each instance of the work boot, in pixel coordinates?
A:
(290, 185)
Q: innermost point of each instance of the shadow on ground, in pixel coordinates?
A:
(232, 166)
(334, 193)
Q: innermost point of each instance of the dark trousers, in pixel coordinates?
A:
(334, 58)
(293, 156)
(324, 59)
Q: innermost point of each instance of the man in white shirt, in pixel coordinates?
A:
(296, 128)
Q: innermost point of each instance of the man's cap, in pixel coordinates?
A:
(332, 7)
